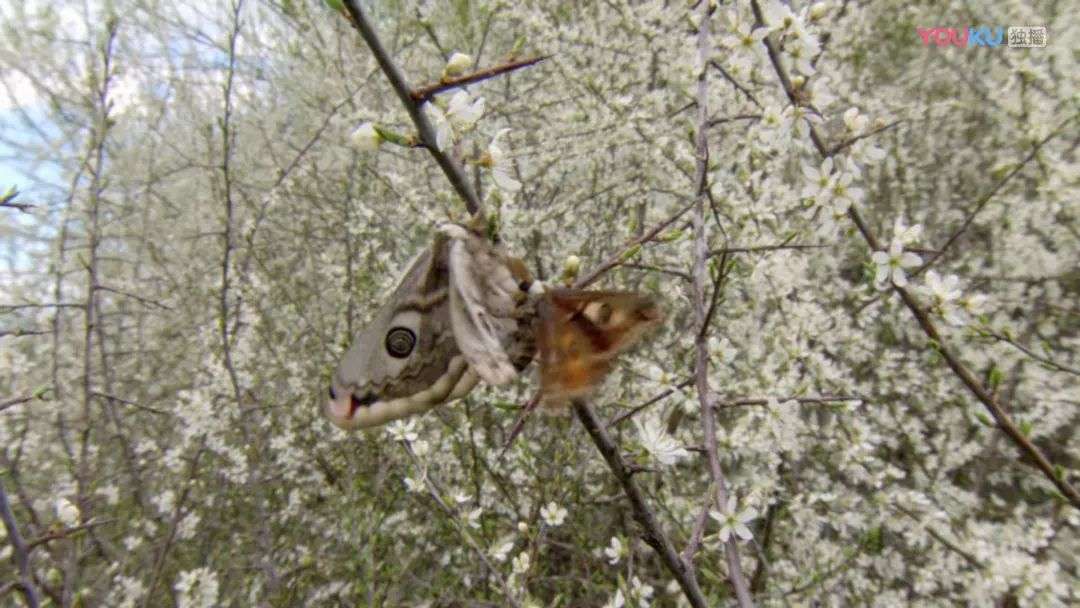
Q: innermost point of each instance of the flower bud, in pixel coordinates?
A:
(818, 10)
(457, 64)
(570, 268)
(366, 138)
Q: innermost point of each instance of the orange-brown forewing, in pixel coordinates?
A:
(581, 332)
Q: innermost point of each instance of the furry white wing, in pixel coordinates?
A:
(482, 305)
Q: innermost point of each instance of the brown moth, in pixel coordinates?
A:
(580, 333)
(465, 311)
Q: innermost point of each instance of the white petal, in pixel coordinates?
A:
(910, 259)
(743, 532)
(503, 180)
(724, 534)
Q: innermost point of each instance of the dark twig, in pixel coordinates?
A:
(851, 140)
(618, 257)
(623, 417)
(825, 400)
(735, 83)
(701, 315)
(763, 248)
(1034, 355)
(21, 552)
(15, 401)
(982, 202)
(436, 493)
(8, 200)
(66, 532)
(653, 534)
(519, 424)
(426, 92)
(449, 166)
(990, 401)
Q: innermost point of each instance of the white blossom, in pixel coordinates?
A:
(460, 116)
(501, 549)
(403, 430)
(943, 294)
(197, 588)
(733, 521)
(743, 38)
(615, 551)
(855, 122)
(501, 169)
(165, 502)
(891, 265)
(366, 138)
(553, 514)
(521, 563)
(616, 601)
(654, 438)
(457, 64)
(66, 512)
(641, 592)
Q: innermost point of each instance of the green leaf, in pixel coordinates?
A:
(1025, 427)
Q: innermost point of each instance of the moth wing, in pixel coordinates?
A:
(484, 298)
(580, 333)
(416, 313)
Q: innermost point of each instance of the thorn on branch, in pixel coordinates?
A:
(8, 200)
(426, 92)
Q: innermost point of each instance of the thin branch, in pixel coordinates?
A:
(720, 121)
(825, 400)
(701, 318)
(19, 333)
(14, 402)
(449, 166)
(436, 494)
(652, 533)
(978, 207)
(851, 140)
(735, 83)
(21, 552)
(1027, 351)
(673, 272)
(619, 256)
(8, 200)
(763, 248)
(65, 532)
(1004, 421)
(133, 404)
(623, 417)
(698, 532)
(990, 401)
(426, 92)
(135, 297)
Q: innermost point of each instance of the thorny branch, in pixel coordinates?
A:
(652, 533)
(701, 317)
(449, 166)
(966, 376)
(426, 92)
(436, 494)
(8, 200)
(21, 552)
